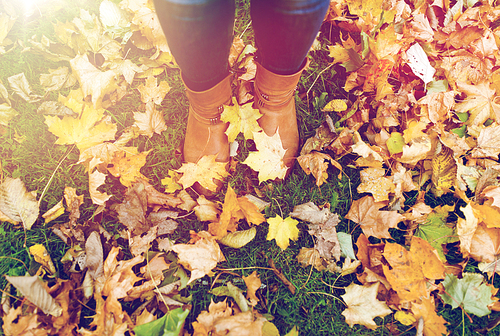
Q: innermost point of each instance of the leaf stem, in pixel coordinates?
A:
(54, 173)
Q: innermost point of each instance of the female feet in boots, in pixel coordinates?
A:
(200, 33)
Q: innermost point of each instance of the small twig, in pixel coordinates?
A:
(328, 67)
(243, 268)
(281, 276)
(332, 286)
(54, 173)
(248, 25)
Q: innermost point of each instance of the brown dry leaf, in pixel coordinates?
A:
(201, 257)
(152, 92)
(95, 255)
(131, 212)
(205, 171)
(493, 194)
(206, 210)
(363, 306)
(434, 325)
(96, 179)
(268, 160)
(34, 290)
(253, 283)
(127, 167)
(156, 198)
(142, 243)
(57, 79)
(488, 142)
(373, 222)
(314, 163)
(155, 267)
(187, 203)
(480, 103)
(309, 256)
(92, 80)
(19, 83)
(17, 203)
(150, 122)
(466, 228)
(485, 244)
(16, 324)
(437, 106)
(162, 220)
(418, 149)
(373, 181)
(322, 227)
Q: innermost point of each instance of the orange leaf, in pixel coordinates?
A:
(434, 325)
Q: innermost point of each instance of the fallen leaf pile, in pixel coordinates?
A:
(422, 118)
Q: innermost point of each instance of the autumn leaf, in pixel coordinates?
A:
(206, 210)
(314, 163)
(152, 92)
(488, 142)
(444, 169)
(373, 222)
(231, 214)
(268, 160)
(171, 323)
(283, 230)
(150, 122)
(96, 179)
(479, 103)
(17, 203)
(201, 257)
(374, 182)
(42, 257)
(434, 324)
(309, 256)
(363, 306)
(470, 291)
(90, 129)
(242, 119)
(93, 81)
(127, 167)
(205, 171)
(33, 289)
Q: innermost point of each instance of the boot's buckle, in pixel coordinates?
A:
(214, 121)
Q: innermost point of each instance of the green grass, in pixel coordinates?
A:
(315, 308)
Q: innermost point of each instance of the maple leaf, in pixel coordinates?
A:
(201, 257)
(466, 228)
(283, 230)
(57, 79)
(363, 306)
(96, 179)
(205, 171)
(470, 291)
(149, 122)
(127, 167)
(488, 142)
(229, 217)
(310, 256)
(242, 119)
(90, 129)
(480, 103)
(152, 92)
(373, 222)
(253, 284)
(374, 182)
(93, 81)
(268, 160)
(433, 323)
(206, 210)
(315, 163)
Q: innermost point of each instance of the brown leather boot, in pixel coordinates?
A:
(205, 131)
(275, 99)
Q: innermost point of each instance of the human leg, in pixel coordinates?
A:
(284, 33)
(199, 34)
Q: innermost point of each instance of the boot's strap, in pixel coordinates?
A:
(276, 100)
(214, 119)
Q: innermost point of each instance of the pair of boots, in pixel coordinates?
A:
(274, 97)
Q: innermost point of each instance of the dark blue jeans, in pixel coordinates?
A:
(200, 33)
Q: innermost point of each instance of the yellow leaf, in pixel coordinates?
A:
(444, 170)
(89, 130)
(171, 182)
(204, 172)
(373, 181)
(152, 92)
(239, 239)
(242, 119)
(127, 167)
(56, 211)
(339, 53)
(337, 105)
(480, 103)
(42, 257)
(414, 130)
(268, 160)
(283, 230)
(405, 318)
